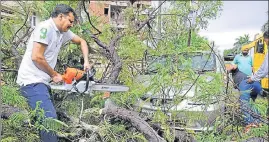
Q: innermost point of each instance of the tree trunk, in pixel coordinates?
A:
(116, 68)
(17, 56)
(78, 11)
(135, 120)
(189, 38)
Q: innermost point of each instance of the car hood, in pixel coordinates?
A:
(187, 89)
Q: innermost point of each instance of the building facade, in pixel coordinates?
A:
(112, 11)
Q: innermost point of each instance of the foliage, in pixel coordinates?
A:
(14, 33)
(16, 128)
(239, 42)
(135, 56)
(265, 25)
(179, 14)
(227, 52)
(18, 133)
(11, 96)
(117, 132)
(44, 9)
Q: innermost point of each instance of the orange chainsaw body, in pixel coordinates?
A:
(72, 73)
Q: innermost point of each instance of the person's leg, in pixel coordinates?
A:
(257, 90)
(245, 90)
(39, 92)
(253, 96)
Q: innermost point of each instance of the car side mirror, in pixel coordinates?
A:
(229, 58)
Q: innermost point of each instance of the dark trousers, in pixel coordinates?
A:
(249, 90)
(40, 92)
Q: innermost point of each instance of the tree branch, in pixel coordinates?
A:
(141, 25)
(113, 42)
(88, 15)
(157, 7)
(98, 42)
(25, 35)
(27, 15)
(104, 75)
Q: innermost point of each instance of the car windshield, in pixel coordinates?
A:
(198, 61)
(201, 62)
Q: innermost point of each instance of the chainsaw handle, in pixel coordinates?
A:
(63, 77)
(87, 80)
(89, 73)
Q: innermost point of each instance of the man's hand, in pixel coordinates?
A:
(87, 66)
(249, 80)
(84, 48)
(57, 78)
(231, 67)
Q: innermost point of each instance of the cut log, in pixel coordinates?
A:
(137, 122)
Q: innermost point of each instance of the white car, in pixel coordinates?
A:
(179, 99)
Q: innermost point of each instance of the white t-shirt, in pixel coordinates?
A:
(47, 33)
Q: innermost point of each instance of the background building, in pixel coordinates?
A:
(112, 11)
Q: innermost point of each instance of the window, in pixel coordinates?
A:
(260, 47)
(106, 11)
(33, 20)
(138, 5)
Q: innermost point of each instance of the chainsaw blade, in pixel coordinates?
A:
(80, 87)
(109, 88)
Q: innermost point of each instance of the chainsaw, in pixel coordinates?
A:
(76, 80)
(79, 81)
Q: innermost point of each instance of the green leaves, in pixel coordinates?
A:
(239, 42)
(118, 132)
(45, 8)
(54, 125)
(131, 48)
(205, 10)
(17, 119)
(11, 96)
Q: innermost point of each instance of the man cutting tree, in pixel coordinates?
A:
(39, 60)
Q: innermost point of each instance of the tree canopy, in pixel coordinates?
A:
(125, 55)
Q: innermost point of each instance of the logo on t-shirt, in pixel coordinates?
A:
(43, 33)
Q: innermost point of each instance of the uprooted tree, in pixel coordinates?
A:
(122, 50)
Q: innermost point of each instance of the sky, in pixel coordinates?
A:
(236, 19)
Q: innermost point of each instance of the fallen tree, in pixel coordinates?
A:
(78, 126)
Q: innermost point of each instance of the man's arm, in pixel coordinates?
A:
(41, 63)
(232, 67)
(252, 69)
(235, 61)
(262, 71)
(84, 48)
